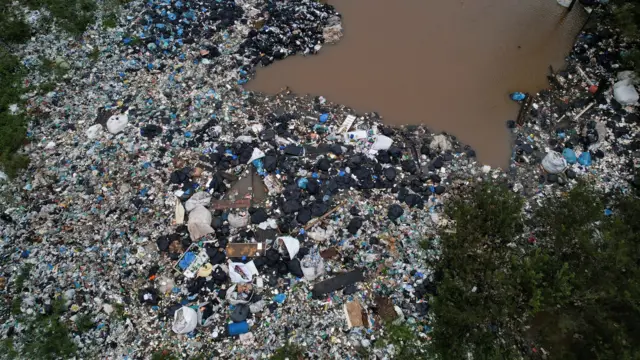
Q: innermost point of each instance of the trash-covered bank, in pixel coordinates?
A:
(168, 209)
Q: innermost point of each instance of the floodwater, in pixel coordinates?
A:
(447, 64)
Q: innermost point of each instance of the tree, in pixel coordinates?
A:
(564, 280)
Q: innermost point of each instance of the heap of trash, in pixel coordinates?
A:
(178, 211)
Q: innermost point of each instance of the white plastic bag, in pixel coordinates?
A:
(625, 93)
(312, 266)
(185, 320)
(199, 223)
(320, 234)
(257, 154)
(117, 123)
(208, 321)
(94, 131)
(554, 162)
(238, 220)
(200, 198)
(233, 298)
(291, 245)
(382, 143)
(242, 273)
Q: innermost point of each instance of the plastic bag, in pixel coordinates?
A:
(242, 273)
(198, 199)
(312, 266)
(554, 163)
(234, 298)
(238, 220)
(199, 223)
(117, 123)
(288, 245)
(185, 320)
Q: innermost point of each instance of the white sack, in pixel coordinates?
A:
(201, 198)
(199, 223)
(117, 123)
(185, 320)
(554, 162)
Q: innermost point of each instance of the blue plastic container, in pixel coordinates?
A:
(238, 328)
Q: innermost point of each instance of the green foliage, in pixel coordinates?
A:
(16, 305)
(289, 351)
(47, 337)
(110, 21)
(569, 284)
(118, 311)
(476, 256)
(164, 354)
(627, 17)
(73, 16)
(24, 275)
(13, 127)
(406, 343)
(84, 323)
(8, 349)
(95, 54)
(12, 28)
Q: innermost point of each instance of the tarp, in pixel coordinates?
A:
(336, 283)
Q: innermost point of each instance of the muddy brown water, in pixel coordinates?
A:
(447, 64)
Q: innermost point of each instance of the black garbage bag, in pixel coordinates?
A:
(150, 131)
(323, 164)
(294, 150)
(354, 225)
(273, 256)
(240, 313)
(245, 155)
(163, 243)
(437, 163)
(180, 176)
(395, 151)
(313, 187)
(215, 256)
(318, 209)
(394, 212)
(402, 194)
(148, 296)
(440, 189)
(383, 157)
(336, 283)
(219, 276)
(336, 149)
(390, 173)
(304, 215)
(270, 163)
(259, 216)
(409, 166)
(294, 268)
(413, 200)
(291, 206)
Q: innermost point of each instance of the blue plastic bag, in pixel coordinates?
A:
(585, 158)
(187, 259)
(569, 155)
(518, 96)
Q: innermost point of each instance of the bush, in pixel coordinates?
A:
(47, 337)
(289, 351)
(71, 15)
(567, 284)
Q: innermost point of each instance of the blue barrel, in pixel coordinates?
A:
(238, 328)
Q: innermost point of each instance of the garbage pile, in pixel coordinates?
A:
(584, 127)
(178, 211)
